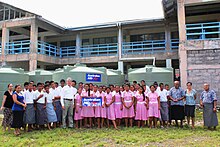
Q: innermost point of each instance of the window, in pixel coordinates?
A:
(105, 40)
(67, 43)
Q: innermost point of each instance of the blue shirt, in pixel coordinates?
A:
(208, 96)
(190, 97)
(17, 107)
(176, 94)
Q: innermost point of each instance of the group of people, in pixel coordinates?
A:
(53, 105)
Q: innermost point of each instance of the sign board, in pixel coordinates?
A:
(91, 77)
(92, 101)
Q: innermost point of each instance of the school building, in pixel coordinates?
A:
(187, 39)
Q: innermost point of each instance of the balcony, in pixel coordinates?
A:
(203, 31)
(18, 47)
(48, 49)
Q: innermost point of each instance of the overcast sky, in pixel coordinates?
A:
(74, 13)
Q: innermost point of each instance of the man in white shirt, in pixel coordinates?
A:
(29, 114)
(163, 93)
(62, 84)
(67, 101)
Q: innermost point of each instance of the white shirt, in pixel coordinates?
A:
(37, 94)
(147, 89)
(49, 97)
(68, 92)
(59, 88)
(163, 95)
(55, 92)
(29, 97)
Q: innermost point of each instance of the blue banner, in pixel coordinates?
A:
(91, 77)
(92, 101)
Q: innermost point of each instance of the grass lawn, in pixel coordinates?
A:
(123, 137)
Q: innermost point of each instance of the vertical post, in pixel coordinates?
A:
(33, 47)
(78, 44)
(168, 37)
(5, 40)
(121, 66)
(120, 41)
(168, 63)
(182, 38)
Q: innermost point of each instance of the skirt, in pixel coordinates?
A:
(51, 114)
(118, 111)
(177, 112)
(8, 117)
(110, 112)
(190, 110)
(153, 110)
(97, 111)
(17, 119)
(41, 114)
(141, 111)
(210, 117)
(87, 111)
(164, 112)
(77, 116)
(29, 114)
(128, 113)
(59, 111)
(103, 112)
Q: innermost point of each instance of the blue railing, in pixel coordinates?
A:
(17, 47)
(47, 49)
(67, 51)
(201, 31)
(144, 47)
(99, 50)
(174, 44)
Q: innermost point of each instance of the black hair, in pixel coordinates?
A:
(51, 82)
(161, 84)
(88, 89)
(126, 84)
(56, 83)
(134, 82)
(26, 83)
(166, 85)
(143, 92)
(9, 84)
(46, 85)
(62, 81)
(80, 82)
(155, 83)
(74, 81)
(16, 86)
(47, 82)
(152, 86)
(39, 84)
(142, 81)
(34, 85)
(189, 83)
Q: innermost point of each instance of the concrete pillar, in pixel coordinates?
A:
(120, 41)
(78, 44)
(5, 39)
(168, 63)
(168, 37)
(33, 47)
(121, 66)
(182, 39)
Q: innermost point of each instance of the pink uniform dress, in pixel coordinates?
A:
(103, 110)
(118, 104)
(153, 105)
(87, 111)
(77, 116)
(110, 110)
(141, 109)
(98, 108)
(128, 113)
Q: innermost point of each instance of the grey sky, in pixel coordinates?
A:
(73, 13)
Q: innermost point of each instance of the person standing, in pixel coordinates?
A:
(190, 104)
(118, 105)
(208, 101)
(67, 101)
(18, 110)
(29, 114)
(6, 107)
(176, 95)
(78, 108)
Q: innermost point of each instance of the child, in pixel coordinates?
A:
(118, 106)
(87, 111)
(103, 108)
(78, 108)
(51, 114)
(153, 106)
(128, 105)
(29, 114)
(141, 107)
(40, 100)
(97, 109)
(109, 100)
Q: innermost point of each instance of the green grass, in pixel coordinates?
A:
(123, 137)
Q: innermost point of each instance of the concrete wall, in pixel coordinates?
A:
(203, 59)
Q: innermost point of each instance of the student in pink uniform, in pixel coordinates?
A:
(103, 108)
(78, 109)
(153, 106)
(118, 105)
(109, 100)
(141, 107)
(128, 105)
(87, 111)
(98, 108)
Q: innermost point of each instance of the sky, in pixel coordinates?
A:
(76, 13)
